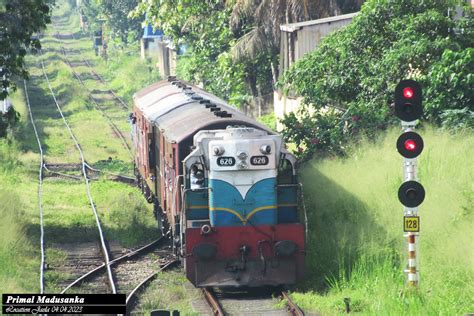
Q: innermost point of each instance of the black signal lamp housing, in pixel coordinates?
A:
(410, 144)
(408, 96)
(411, 193)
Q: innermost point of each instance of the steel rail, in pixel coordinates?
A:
(60, 174)
(121, 177)
(40, 190)
(114, 127)
(109, 173)
(292, 308)
(86, 180)
(129, 301)
(213, 302)
(125, 257)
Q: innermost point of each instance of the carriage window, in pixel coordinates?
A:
(285, 172)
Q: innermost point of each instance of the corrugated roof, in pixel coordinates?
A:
(291, 27)
(179, 116)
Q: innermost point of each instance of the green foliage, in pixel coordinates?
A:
(354, 71)
(269, 120)
(127, 73)
(203, 28)
(119, 24)
(129, 219)
(321, 128)
(356, 247)
(449, 89)
(19, 20)
(16, 252)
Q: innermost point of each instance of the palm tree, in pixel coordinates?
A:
(266, 16)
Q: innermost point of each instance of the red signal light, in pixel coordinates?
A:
(410, 145)
(408, 93)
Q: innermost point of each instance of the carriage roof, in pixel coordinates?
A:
(178, 113)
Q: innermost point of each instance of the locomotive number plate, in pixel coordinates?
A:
(225, 161)
(411, 223)
(259, 160)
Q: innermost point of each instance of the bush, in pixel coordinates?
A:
(354, 72)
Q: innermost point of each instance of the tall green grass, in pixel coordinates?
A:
(19, 259)
(127, 72)
(356, 247)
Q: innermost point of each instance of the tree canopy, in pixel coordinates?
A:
(233, 46)
(115, 13)
(19, 20)
(348, 82)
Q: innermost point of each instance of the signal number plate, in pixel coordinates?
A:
(411, 223)
(225, 161)
(259, 160)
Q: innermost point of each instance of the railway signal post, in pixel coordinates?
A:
(408, 108)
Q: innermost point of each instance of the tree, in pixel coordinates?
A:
(19, 20)
(233, 45)
(116, 14)
(202, 27)
(354, 71)
(257, 23)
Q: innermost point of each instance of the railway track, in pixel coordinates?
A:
(84, 171)
(65, 170)
(130, 256)
(132, 297)
(247, 302)
(101, 80)
(116, 130)
(133, 270)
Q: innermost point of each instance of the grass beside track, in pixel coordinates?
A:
(125, 215)
(356, 246)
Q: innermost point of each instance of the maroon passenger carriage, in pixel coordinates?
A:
(223, 185)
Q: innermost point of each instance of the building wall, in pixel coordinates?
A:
(160, 52)
(297, 39)
(284, 105)
(308, 38)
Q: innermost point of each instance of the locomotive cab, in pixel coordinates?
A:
(241, 226)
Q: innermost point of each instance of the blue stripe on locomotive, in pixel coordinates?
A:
(228, 208)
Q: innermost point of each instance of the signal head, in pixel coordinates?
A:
(408, 96)
(410, 144)
(411, 194)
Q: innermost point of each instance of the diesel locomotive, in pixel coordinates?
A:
(223, 186)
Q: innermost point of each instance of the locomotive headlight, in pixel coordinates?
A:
(242, 155)
(266, 149)
(218, 150)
